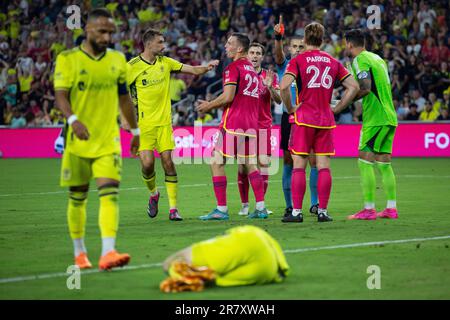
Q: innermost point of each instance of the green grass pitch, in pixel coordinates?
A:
(34, 239)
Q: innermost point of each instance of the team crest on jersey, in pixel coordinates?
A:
(81, 85)
(162, 69)
(83, 72)
(363, 75)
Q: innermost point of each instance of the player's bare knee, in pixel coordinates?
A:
(367, 156)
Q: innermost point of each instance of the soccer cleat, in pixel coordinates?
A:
(152, 209)
(287, 211)
(388, 213)
(258, 214)
(82, 261)
(314, 209)
(216, 214)
(243, 211)
(365, 214)
(174, 215)
(113, 259)
(269, 212)
(291, 218)
(324, 217)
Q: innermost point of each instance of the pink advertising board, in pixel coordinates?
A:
(411, 140)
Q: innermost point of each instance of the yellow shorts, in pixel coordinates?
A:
(159, 138)
(241, 257)
(78, 171)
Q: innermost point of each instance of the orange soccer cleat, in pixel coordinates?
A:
(113, 259)
(82, 261)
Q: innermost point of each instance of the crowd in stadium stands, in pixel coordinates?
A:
(414, 41)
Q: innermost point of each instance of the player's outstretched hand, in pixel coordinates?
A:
(80, 130)
(203, 106)
(268, 81)
(134, 146)
(212, 64)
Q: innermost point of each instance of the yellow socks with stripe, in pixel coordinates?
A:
(389, 183)
(172, 189)
(108, 216)
(150, 182)
(368, 183)
(76, 217)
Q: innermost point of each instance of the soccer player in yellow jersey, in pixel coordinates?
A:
(149, 79)
(90, 85)
(244, 255)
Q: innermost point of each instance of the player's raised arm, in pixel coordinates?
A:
(278, 50)
(351, 90)
(225, 98)
(199, 70)
(285, 91)
(269, 83)
(63, 104)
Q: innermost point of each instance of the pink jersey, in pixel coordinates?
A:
(265, 113)
(243, 112)
(315, 72)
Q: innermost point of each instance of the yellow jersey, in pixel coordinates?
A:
(149, 87)
(94, 86)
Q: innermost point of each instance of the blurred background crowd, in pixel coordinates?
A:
(414, 40)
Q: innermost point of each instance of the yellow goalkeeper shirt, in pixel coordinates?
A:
(149, 87)
(94, 86)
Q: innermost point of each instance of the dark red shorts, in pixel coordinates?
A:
(304, 140)
(234, 145)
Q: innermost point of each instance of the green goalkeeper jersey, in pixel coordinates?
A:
(378, 108)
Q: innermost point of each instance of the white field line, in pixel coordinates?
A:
(155, 265)
(204, 185)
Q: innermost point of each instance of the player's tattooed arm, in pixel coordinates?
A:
(365, 84)
(285, 92)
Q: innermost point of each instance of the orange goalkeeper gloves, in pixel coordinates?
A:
(185, 277)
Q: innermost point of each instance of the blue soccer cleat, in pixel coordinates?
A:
(216, 214)
(258, 214)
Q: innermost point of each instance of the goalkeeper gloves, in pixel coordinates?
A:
(185, 277)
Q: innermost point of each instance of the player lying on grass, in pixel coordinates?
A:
(270, 92)
(378, 126)
(244, 255)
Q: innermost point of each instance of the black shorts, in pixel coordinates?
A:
(285, 131)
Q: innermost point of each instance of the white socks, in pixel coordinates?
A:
(391, 204)
(369, 205)
(222, 208)
(260, 206)
(108, 244)
(79, 247)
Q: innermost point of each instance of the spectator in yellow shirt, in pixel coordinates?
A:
(428, 114)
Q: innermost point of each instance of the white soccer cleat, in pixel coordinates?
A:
(243, 211)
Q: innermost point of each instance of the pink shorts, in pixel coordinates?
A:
(304, 140)
(234, 145)
(264, 142)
